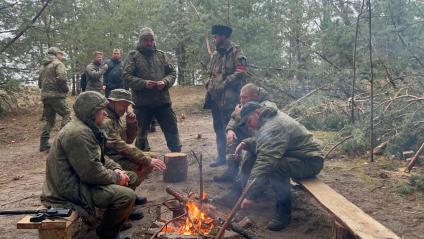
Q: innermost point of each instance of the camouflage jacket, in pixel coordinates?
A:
(120, 139)
(52, 79)
(227, 74)
(244, 132)
(74, 165)
(139, 68)
(279, 136)
(94, 73)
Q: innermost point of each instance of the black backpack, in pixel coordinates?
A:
(83, 81)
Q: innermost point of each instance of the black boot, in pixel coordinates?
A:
(139, 200)
(44, 144)
(136, 214)
(218, 162)
(229, 199)
(282, 216)
(230, 174)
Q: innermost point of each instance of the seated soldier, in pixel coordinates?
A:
(120, 137)
(81, 177)
(249, 92)
(285, 149)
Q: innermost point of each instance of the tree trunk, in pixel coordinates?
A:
(182, 64)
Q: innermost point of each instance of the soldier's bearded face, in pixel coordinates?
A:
(99, 117)
(218, 39)
(148, 43)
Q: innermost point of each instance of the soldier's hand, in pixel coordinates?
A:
(238, 108)
(158, 164)
(124, 178)
(231, 136)
(240, 147)
(150, 84)
(246, 203)
(130, 118)
(160, 84)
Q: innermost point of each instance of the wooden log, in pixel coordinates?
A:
(176, 167)
(415, 158)
(338, 231)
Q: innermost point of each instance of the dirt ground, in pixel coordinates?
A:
(369, 186)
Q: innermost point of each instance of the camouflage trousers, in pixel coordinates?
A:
(118, 202)
(141, 171)
(220, 118)
(53, 106)
(167, 120)
(288, 167)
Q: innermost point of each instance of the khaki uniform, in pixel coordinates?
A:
(94, 73)
(227, 74)
(120, 137)
(285, 149)
(140, 67)
(54, 88)
(80, 176)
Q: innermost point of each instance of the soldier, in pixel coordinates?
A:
(235, 134)
(285, 149)
(113, 75)
(80, 176)
(149, 75)
(227, 74)
(54, 88)
(120, 137)
(94, 72)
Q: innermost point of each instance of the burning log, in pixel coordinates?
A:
(176, 167)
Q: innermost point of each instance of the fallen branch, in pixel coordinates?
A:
(234, 210)
(173, 219)
(415, 159)
(335, 146)
(302, 98)
(26, 27)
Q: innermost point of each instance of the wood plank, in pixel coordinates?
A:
(59, 223)
(352, 217)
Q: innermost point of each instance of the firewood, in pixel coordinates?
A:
(176, 167)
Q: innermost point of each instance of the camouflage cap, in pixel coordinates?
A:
(146, 32)
(120, 95)
(247, 109)
(54, 50)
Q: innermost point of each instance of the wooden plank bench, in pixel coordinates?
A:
(350, 220)
(58, 228)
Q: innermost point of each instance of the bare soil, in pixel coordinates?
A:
(368, 185)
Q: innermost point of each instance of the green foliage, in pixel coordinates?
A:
(404, 189)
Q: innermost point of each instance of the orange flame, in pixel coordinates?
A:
(196, 222)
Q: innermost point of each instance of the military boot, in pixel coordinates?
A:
(282, 216)
(44, 144)
(229, 199)
(230, 174)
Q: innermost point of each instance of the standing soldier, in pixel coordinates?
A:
(113, 76)
(94, 73)
(227, 74)
(54, 88)
(149, 75)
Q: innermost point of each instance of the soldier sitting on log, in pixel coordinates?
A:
(285, 149)
(120, 137)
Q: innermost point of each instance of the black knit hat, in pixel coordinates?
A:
(221, 30)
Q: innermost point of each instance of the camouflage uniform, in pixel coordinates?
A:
(141, 66)
(94, 75)
(120, 137)
(285, 149)
(242, 133)
(54, 88)
(227, 74)
(80, 176)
